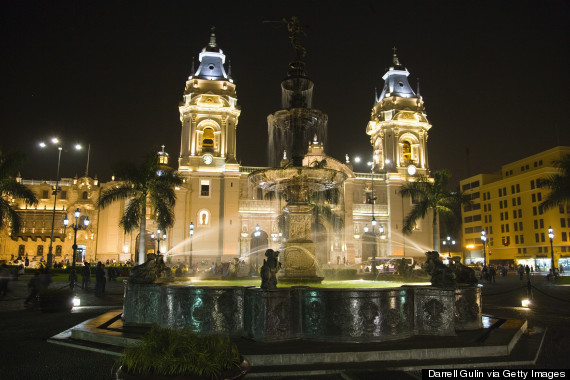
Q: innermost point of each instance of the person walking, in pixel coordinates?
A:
(492, 273)
(521, 271)
(527, 271)
(4, 278)
(86, 276)
(34, 287)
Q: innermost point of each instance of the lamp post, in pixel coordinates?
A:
(551, 236)
(76, 226)
(448, 242)
(256, 234)
(191, 236)
(158, 238)
(484, 240)
(42, 144)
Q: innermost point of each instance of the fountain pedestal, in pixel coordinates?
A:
(299, 260)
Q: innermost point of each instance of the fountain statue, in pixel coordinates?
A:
(269, 270)
(291, 129)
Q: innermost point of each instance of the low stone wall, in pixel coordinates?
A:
(348, 315)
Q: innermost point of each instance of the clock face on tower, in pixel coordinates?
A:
(207, 159)
(411, 170)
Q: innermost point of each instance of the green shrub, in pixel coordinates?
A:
(169, 352)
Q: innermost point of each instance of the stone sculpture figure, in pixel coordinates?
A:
(149, 271)
(269, 270)
(463, 274)
(441, 275)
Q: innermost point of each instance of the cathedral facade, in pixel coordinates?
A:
(220, 215)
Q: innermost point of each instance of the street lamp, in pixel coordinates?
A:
(551, 236)
(448, 242)
(158, 238)
(256, 234)
(191, 236)
(76, 226)
(54, 141)
(484, 240)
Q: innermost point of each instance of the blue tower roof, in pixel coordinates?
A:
(212, 61)
(396, 82)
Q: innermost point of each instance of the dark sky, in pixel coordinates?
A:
(493, 75)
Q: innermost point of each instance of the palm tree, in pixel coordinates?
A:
(431, 195)
(138, 185)
(10, 164)
(559, 185)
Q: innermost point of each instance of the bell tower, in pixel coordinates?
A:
(209, 114)
(399, 127)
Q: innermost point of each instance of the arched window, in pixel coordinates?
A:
(406, 151)
(208, 140)
(85, 195)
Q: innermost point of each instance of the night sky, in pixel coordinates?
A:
(493, 75)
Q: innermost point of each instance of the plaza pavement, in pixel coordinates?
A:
(26, 354)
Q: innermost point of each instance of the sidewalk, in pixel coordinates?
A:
(18, 292)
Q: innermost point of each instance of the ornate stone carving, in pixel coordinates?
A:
(441, 275)
(463, 274)
(148, 272)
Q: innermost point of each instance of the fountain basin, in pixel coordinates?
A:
(327, 314)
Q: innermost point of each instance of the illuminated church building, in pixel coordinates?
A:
(230, 216)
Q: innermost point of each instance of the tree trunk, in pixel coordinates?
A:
(435, 232)
(142, 235)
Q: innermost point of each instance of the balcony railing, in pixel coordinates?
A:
(359, 209)
(258, 206)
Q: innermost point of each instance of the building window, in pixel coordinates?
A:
(520, 226)
(561, 208)
(541, 223)
(539, 196)
(562, 222)
(536, 239)
(516, 226)
(520, 212)
(516, 239)
(45, 194)
(536, 224)
(542, 237)
(85, 195)
(514, 214)
(40, 250)
(534, 210)
(532, 184)
(500, 192)
(564, 236)
(522, 239)
(58, 250)
(63, 194)
(533, 196)
(204, 188)
(518, 188)
(502, 228)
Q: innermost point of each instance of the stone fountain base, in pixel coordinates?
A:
(342, 315)
(299, 264)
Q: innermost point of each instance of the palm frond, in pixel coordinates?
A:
(121, 191)
(132, 215)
